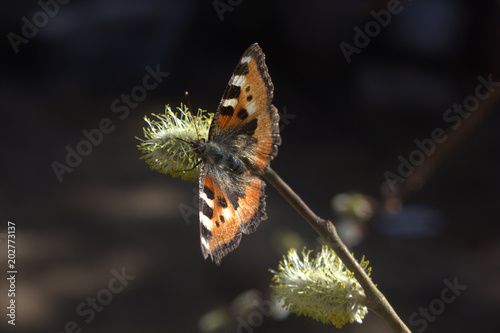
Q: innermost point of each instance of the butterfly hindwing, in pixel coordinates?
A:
(229, 206)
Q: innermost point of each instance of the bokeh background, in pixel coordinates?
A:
(345, 124)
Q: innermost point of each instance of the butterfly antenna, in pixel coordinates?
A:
(192, 115)
(180, 153)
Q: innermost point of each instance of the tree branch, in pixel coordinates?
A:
(376, 301)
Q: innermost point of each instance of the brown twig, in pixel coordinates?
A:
(376, 301)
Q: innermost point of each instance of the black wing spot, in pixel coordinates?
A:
(242, 69)
(208, 192)
(226, 110)
(222, 202)
(231, 92)
(249, 98)
(233, 199)
(247, 89)
(222, 219)
(243, 114)
(250, 127)
(207, 211)
(205, 233)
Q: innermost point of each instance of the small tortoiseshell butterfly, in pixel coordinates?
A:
(242, 140)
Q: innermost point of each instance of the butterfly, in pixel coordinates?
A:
(242, 140)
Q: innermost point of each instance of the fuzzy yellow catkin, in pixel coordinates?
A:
(320, 288)
(165, 147)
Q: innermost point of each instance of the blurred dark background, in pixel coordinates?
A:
(345, 123)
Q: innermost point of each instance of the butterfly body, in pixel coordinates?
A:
(243, 138)
(222, 156)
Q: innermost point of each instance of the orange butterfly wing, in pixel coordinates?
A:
(247, 123)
